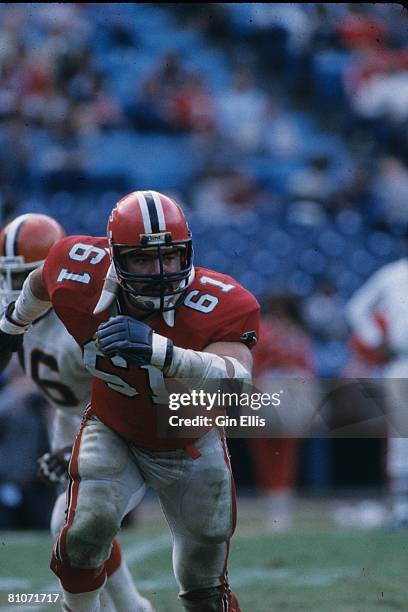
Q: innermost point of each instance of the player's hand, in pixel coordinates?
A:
(53, 467)
(133, 340)
(11, 334)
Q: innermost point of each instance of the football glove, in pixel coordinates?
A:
(53, 467)
(134, 341)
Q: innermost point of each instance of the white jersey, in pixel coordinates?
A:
(384, 294)
(53, 361)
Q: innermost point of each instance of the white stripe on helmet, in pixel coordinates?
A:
(145, 212)
(11, 234)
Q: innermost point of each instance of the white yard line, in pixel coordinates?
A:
(145, 549)
(314, 577)
(13, 538)
(241, 578)
(14, 583)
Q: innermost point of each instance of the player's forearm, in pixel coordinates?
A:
(217, 360)
(37, 285)
(186, 363)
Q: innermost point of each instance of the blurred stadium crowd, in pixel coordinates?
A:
(281, 128)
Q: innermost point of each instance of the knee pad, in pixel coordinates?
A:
(88, 540)
(211, 535)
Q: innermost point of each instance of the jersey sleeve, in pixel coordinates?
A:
(236, 317)
(73, 274)
(238, 326)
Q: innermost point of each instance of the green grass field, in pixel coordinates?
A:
(315, 567)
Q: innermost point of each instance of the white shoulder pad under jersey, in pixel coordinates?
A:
(53, 360)
(385, 293)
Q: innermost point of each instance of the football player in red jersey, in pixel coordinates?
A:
(53, 361)
(141, 313)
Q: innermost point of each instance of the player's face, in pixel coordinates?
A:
(17, 278)
(148, 262)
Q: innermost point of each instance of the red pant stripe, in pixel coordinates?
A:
(223, 577)
(233, 489)
(229, 601)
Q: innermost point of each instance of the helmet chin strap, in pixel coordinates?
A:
(111, 287)
(153, 302)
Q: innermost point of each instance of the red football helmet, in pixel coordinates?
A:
(151, 220)
(24, 245)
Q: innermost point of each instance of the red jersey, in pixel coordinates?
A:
(127, 397)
